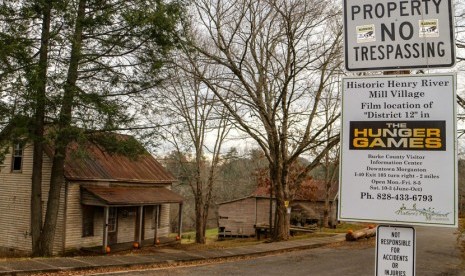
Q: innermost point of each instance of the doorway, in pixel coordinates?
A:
(112, 226)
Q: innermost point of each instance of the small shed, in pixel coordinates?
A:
(240, 216)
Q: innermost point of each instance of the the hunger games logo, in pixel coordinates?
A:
(406, 135)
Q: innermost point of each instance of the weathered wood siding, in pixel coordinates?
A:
(164, 229)
(127, 225)
(73, 237)
(126, 222)
(15, 198)
(238, 217)
(263, 211)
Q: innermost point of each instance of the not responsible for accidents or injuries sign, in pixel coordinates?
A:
(395, 251)
(392, 35)
(398, 151)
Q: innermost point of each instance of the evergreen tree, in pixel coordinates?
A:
(80, 66)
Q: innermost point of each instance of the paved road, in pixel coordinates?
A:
(437, 254)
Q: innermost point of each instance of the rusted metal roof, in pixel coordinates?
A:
(90, 162)
(130, 196)
(310, 190)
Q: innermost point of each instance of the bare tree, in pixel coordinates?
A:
(239, 173)
(275, 59)
(460, 30)
(460, 66)
(331, 159)
(199, 126)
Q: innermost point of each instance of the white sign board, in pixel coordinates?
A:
(392, 35)
(395, 251)
(398, 153)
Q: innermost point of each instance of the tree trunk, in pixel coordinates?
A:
(282, 222)
(64, 137)
(270, 219)
(327, 203)
(326, 214)
(200, 223)
(329, 179)
(362, 233)
(38, 136)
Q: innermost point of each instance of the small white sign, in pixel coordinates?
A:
(395, 251)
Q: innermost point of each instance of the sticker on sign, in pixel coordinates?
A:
(389, 35)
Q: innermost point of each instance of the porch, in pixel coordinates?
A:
(133, 207)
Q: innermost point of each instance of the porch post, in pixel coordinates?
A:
(156, 209)
(180, 221)
(106, 212)
(141, 219)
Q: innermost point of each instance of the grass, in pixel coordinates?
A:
(344, 227)
(188, 238)
(188, 241)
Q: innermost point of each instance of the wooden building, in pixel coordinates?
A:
(241, 216)
(106, 199)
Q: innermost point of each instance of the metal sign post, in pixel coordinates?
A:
(398, 144)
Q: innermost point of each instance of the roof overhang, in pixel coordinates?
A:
(128, 196)
(307, 210)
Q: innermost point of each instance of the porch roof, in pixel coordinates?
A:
(128, 196)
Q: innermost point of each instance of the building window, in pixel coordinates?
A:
(87, 221)
(112, 220)
(156, 217)
(17, 162)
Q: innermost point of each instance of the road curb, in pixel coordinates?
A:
(183, 257)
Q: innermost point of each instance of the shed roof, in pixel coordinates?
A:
(311, 190)
(310, 212)
(130, 195)
(239, 199)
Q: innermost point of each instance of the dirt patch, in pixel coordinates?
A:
(461, 240)
(358, 244)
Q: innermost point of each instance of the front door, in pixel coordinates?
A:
(112, 225)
